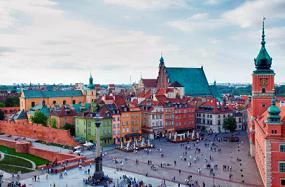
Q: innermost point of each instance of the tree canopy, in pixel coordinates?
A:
(230, 124)
(52, 123)
(39, 118)
(12, 101)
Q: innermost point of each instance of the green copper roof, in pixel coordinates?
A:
(51, 94)
(43, 109)
(91, 85)
(273, 112)
(193, 79)
(263, 61)
(215, 92)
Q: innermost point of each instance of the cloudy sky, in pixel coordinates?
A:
(46, 41)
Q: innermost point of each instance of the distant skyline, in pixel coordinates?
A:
(44, 41)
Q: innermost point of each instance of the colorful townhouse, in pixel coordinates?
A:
(63, 115)
(210, 115)
(85, 127)
(153, 118)
(130, 120)
(266, 122)
(179, 114)
(116, 121)
(184, 116)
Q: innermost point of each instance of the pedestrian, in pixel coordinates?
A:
(35, 178)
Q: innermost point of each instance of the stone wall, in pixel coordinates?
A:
(26, 147)
(38, 132)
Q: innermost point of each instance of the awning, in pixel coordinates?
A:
(184, 129)
(132, 135)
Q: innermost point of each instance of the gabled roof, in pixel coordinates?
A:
(193, 79)
(50, 94)
(149, 83)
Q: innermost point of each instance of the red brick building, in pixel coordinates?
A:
(266, 122)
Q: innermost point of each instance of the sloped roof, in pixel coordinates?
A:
(149, 83)
(51, 94)
(193, 79)
(175, 84)
(216, 93)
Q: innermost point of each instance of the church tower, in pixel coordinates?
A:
(262, 80)
(91, 91)
(162, 81)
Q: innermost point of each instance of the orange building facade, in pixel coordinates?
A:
(31, 98)
(130, 124)
(266, 122)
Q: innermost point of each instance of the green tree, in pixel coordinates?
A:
(230, 124)
(2, 115)
(52, 123)
(2, 104)
(39, 118)
(71, 128)
(12, 102)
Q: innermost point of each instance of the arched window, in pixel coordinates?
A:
(64, 102)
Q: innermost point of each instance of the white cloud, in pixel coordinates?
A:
(146, 4)
(50, 47)
(200, 21)
(250, 13)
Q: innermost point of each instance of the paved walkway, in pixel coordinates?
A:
(241, 170)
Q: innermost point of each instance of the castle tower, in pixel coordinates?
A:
(262, 80)
(262, 89)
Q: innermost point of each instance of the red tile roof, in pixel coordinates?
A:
(149, 83)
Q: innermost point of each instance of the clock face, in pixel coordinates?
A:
(263, 82)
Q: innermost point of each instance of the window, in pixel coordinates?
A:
(282, 182)
(73, 102)
(263, 90)
(33, 104)
(274, 131)
(282, 148)
(282, 167)
(54, 102)
(64, 102)
(263, 105)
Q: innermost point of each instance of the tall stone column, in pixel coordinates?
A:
(99, 174)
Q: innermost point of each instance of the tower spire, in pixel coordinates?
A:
(263, 34)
